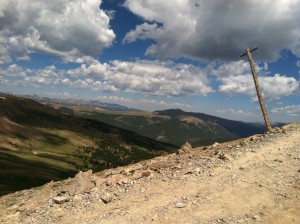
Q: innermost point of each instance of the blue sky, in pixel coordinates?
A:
(155, 55)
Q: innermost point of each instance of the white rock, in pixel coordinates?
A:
(180, 205)
(60, 199)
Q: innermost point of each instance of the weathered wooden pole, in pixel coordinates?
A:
(259, 95)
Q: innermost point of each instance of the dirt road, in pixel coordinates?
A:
(254, 180)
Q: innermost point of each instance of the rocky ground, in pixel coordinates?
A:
(253, 180)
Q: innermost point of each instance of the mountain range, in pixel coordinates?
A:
(44, 141)
(77, 102)
(172, 126)
(39, 143)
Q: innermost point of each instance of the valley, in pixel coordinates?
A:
(39, 144)
(172, 126)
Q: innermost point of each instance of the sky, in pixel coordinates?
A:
(155, 55)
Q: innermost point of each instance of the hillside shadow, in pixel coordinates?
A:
(54, 139)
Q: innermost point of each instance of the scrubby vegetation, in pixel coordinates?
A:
(109, 154)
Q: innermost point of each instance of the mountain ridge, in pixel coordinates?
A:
(171, 126)
(231, 125)
(76, 102)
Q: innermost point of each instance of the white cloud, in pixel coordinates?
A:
(279, 86)
(142, 32)
(146, 77)
(234, 112)
(63, 28)
(239, 114)
(220, 29)
(291, 110)
(235, 77)
(234, 68)
(273, 87)
(242, 84)
(80, 84)
(155, 78)
(14, 70)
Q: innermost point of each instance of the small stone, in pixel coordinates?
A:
(216, 144)
(256, 217)
(185, 198)
(188, 171)
(228, 157)
(278, 160)
(197, 170)
(248, 215)
(99, 182)
(252, 138)
(180, 205)
(116, 179)
(180, 152)
(146, 173)
(106, 198)
(60, 199)
(155, 217)
(225, 156)
(78, 197)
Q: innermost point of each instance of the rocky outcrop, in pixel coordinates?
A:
(185, 148)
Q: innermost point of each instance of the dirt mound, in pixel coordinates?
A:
(253, 180)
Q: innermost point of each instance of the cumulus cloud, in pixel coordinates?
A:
(291, 110)
(142, 32)
(156, 78)
(279, 86)
(14, 70)
(63, 28)
(149, 78)
(274, 87)
(146, 77)
(235, 77)
(217, 29)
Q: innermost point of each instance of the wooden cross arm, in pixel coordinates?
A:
(254, 49)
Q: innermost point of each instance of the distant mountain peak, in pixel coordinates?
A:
(78, 102)
(171, 112)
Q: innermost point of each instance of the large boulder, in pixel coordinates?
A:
(185, 148)
(81, 183)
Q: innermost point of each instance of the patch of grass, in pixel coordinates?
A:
(54, 139)
(62, 158)
(21, 172)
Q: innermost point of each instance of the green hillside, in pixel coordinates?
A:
(171, 126)
(39, 144)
